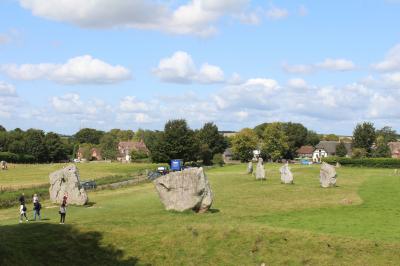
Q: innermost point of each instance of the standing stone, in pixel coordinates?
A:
(3, 165)
(260, 171)
(286, 174)
(64, 181)
(185, 190)
(327, 175)
(338, 165)
(250, 168)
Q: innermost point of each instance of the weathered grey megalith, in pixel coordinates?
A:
(250, 168)
(286, 174)
(185, 190)
(64, 181)
(327, 175)
(260, 171)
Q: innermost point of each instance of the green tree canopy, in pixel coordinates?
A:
(364, 136)
(88, 135)
(341, 150)
(275, 142)
(387, 133)
(296, 135)
(35, 144)
(108, 146)
(312, 138)
(56, 149)
(243, 144)
(211, 142)
(180, 141)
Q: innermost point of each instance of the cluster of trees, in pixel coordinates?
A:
(275, 140)
(179, 141)
(33, 145)
(371, 142)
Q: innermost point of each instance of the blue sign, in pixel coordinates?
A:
(176, 165)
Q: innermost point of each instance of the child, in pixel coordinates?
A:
(65, 198)
(22, 212)
(63, 212)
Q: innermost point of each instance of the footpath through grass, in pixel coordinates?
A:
(250, 223)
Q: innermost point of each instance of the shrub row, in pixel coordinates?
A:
(365, 162)
(16, 158)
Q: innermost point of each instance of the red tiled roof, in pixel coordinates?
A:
(305, 150)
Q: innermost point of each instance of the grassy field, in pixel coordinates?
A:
(251, 223)
(20, 175)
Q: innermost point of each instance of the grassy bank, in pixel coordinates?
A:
(28, 175)
(250, 223)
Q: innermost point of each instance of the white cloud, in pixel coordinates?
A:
(276, 13)
(391, 61)
(297, 83)
(78, 70)
(131, 104)
(194, 17)
(180, 68)
(297, 69)
(7, 89)
(69, 103)
(336, 64)
(210, 74)
(254, 93)
(328, 64)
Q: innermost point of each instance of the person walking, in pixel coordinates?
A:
(22, 213)
(63, 212)
(36, 210)
(22, 199)
(35, 198)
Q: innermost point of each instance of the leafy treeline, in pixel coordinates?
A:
(281, 140)
(275, 140)
(178, 141)
(369, 142)
(33, 146)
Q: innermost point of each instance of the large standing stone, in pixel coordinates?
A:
(286, 174)
(250, 168)
(260, 171)
(327, 175)
(64, 181)
(185, 190)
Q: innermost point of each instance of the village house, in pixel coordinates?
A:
(327, 148)
(95, 154)
(305, 152)
(125, 149)
(395, 149)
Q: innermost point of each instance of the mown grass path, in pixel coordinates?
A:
(250, 223)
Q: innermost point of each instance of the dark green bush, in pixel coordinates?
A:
(16, 158)
(365, 162)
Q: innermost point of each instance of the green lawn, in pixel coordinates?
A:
(251, 222)
(27, 175)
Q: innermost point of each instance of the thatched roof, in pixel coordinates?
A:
(330, 146)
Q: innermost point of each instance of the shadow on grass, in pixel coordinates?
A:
(53, 244)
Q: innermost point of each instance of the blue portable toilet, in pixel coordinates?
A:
(176, 165)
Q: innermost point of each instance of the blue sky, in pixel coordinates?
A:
(135, 64)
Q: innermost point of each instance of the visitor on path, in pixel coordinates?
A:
(35, 198)
(65, 199)
(22, 213)
(63, 212)
(36, 210)
(22, 199)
